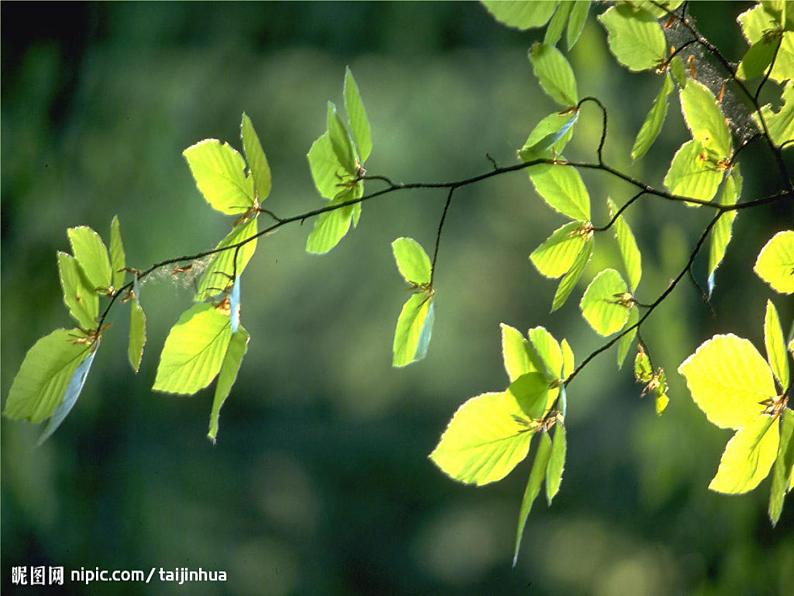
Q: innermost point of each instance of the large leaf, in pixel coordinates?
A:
(526, 14)
(728, 380)
(413, 330)
(748, 457)
(118, 260)
(692, 174)
(654, 121)
(91, 254)
(780, 123)
(783, 470)
(775, 345)
(775, 262)
(601, 303)
(258, 167)
(514, 352)
(722, 231)
(635, 37)
(545, 353)
(554, 74)
(705, 120)
(359, 123)
(568, 282)
(80, 298)
(576, 21)
(561, 187)
(532, 490)
(220, 269)
(219, 172)
(412, 261)
(629, 251)
(558, 253)
(484, 441)
(554, 470)
(232, 360)
(194, 350)
(39, 386)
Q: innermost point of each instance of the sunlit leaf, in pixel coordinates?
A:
(220, 271)
(526, 14)
(635, 37)
(756, 23)
(514, 352)
(412, 261)
(775, 346)
(91, 255)
(118, 260)
(568, 282)
(80, 298)
(340, 140)
(629, 251)
(327, 172)
(558, 253)
(330, 227)
(552, 133)
(602, 305)
(568, 360)
(643, 371)
(723, 229)
(359, 123)
(556, 466)
(232, 360)
(557, 24)
(531, 391)
(576, 21)
(748, 457)
(257, 161)
(548, 350)
(780, 123)
(554, 74)
(692, 174)
(137, 334)
(705, 120)
(678, 71)
(783, 470)
(561, 187)
(656, 8)
(219, 172)
(413, 331)
(625, 343)
(757, 59)
(652, 125)
(536, 476)
(775, 262)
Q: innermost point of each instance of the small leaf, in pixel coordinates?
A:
(340, 140)
(330, 227)
(562, 189)
(556, 466)
(531, 391)
(568, 282)
(359, 123)
(327, 172)
(722, 231)
(705, 120)
(118, 260)
(514, 352)
(748, 457)
(484, 441)
(91, 254)
(258, 167)
(412, 261)
(558, 253)
(413, 331)
(557, 24)
(783, 467)
(545, 353)
(635, 37)
(602, 304)
(629, 251)
(776, 346)
(781, 123)
(194, 350)
(536, 476)
(554, 74)
(552, 133)
(775, 262)
(678, 71)
(219, 172)
(521, 14)
(80, 298)
(238, 346)
(692, 174)
(137, 333)
(756, 23)
(625, 343)
(643, 371)
(221, 270)
(757, 59)
(654, 121)
(728, 380)
(568, 360)
(576, 22)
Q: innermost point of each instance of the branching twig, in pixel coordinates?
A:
(438, 233)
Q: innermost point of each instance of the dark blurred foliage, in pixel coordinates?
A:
(320, 482)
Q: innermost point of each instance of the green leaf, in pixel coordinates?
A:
(755, 22)
(568, 282)
(327, 172)
(757, 59)
(783, 470)
(629, 252)
(781, 123)
(692, 174)
(413, 330)
(39, 386)
(705, 120)
(558, 253)
(554, 74)
(775, 346)
(643, 371)
(137, 334)
(81, 300)
(194, 350)
(654, 7)
(552, 133)
(722, 231)
(635, 37)
(531, 391)
(660, 389)
(523, 15)
(359, 123)
(118, 260)
(340, 140)
(654, 121)
(561, 187)
(576, 22)
(557, 24)
(330, 227)
(748, 457)
(759, 22)
(412, 261)
(775, 262)
(220, 268)
(678, 72)
(568, 359)
(258, 167)
(514, 353)
(486, 438)
(536, 476)
(625, 343)
(232, 360)
(601, 304)
(91, 254)
(728, 380)
(556, 465)
(219, 172)
(545, 353)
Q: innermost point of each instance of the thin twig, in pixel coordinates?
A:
(438, 233)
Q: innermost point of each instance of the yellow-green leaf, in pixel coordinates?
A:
(775, 346)
(723, 229)
(413, 330)
(748, 457)
(576, 22)
(557, 24)
(258, 167)
(625, 343)
(137, 330)
(775, 262)
(232, 361)
(531, 391)
(219, 172)
(327, 172)
(412, 261)
(568, 282)
(652, 125)
(728, 380)
(536, 476)
(783, 470)
(568, 359)
(692, 174)
(556, 466)
(91, 255)
(552, 133)
(554, 74)
(629, 251)
(643, 371)
(705, 120)
(521, 14)
(357, 115)
(340, 140)
(561, 187)
(80, 298)
(780, 123)
(118, 260)
(548, 350)
(601, 303)
(558, 253)
(514, 352)
(220, 270)
(635, 37)
(330, 227)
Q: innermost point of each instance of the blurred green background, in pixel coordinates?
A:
(320, 482)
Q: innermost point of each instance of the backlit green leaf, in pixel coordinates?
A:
(568, 360)
(118, 260)
(554, 74)
(635, 37)
(643, 371)
(781, 123)
(340, 140)
(692, 174)
(536, 476)
(652, 125)
(531, 391)
(194, 350)
(558, 253)
(486, 438)
(92, 256)
(545, 347)
(359, 123)
(514, 352)
(783, 470)
(556, 466)
(220, 269)
(412, 261)
(757, 59)
(775, 262)
(330, 227)
(526, 14)
(561, 187)
(258, 167)
(552, 133)
(232, 360)
(601, 304)
(413, 331)
(327, 172)
(568, 282)
(629, 252)
(722, 231)
(678, 71)
(760, 21)
(728, 380)
(755, 22)
(557, 24)
(656, 8)
(219, 172)
(775, 346)
(705, 120)
(576, 21)
(137, 333)
(625, 343)
(79, 297)
(748, 457)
